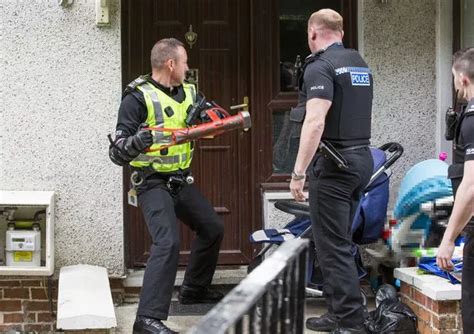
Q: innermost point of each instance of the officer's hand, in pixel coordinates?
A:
(143, 138)
(445, 254)
(204, 117)
(296, 189)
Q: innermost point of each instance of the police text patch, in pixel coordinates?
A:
(360, 79)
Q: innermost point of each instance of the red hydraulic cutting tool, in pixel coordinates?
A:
(217, 121)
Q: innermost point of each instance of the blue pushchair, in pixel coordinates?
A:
(367, 225)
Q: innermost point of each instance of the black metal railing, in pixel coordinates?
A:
(271, 299)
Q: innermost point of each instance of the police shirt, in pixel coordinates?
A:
(340, 75)
(133, 111)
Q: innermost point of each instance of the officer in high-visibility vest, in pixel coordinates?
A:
(161, 179)
(461, 173)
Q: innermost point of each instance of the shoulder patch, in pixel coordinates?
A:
(135, 83)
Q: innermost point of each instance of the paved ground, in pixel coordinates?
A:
(126, 315)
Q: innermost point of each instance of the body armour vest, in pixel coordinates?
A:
(348, 121)
(164, 111)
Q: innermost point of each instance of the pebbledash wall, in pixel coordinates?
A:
(61, 87)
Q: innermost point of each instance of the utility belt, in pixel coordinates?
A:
(174, 181)
(330, 152)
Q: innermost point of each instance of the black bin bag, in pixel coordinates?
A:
(391, 317)
(385, 291)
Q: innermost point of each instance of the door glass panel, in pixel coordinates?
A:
(293, 22)
(467, 26)
(285, 142)
(293, 19)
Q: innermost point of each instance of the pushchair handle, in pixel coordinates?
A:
(293, 208)
(396, 151)
(394, 148)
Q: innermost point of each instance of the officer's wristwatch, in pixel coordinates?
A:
(296, 176)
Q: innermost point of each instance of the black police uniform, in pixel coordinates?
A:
(464, 151)
(161, 206)
(339, 75)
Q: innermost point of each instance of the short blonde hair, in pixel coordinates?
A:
(463, 62)
(327, 19)
(163, 50)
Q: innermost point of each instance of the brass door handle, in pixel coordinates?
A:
(244, 106)
(239, 106)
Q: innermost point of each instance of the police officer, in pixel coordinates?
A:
(335, 101)
(461, 173)
(161, 181)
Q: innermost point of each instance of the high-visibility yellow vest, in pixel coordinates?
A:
(165, 112)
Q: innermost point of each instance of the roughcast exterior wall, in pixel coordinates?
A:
(399, 43)
(61, 87)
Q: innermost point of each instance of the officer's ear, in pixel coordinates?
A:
(311, 33)
(170, 64)
(464, 80)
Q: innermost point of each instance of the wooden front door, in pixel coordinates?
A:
(221, 54)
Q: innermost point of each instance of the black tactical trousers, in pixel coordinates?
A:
(160, 209)
(467, 288)
(467, 301)
(334, 195)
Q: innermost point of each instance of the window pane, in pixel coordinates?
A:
(285, 142)
(294, 15)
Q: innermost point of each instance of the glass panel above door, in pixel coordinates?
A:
(293, 22)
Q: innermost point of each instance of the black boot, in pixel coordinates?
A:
(350, 330)
(145, 325)
(198, 295)
(324, 323)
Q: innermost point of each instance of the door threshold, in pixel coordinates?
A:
(221, 277)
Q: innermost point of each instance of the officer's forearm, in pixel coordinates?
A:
(311, 133)
(313, 128)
